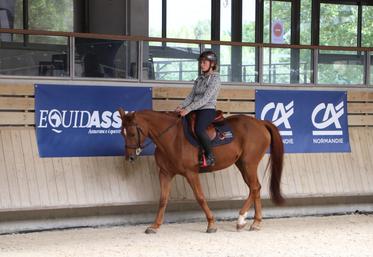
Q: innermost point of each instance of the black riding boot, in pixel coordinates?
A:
(203, 119)
(210, 158)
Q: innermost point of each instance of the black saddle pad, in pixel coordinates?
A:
(224, 134)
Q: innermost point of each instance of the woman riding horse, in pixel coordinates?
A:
(202, 101)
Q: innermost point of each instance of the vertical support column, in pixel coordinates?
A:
(215, 25)
(295, 40)
(259, 8)
(25, 21)
(367, 64)
(236, 57)
(315, 22)
(72, 57)
(315, 62)
(140, 60)
(81, 18)
(215, 20)
(315, 33)
(359, 24)
(260, 65)
(201, 49)
(164, 21)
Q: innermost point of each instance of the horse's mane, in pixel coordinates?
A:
(170, 114)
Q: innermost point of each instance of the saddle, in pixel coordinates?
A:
(219, 132)
(211, 130)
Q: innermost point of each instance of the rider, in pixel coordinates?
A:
(202, 100)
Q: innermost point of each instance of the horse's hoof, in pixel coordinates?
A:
(254, 228)
(211, 230)
(240, 227)
(150, 230)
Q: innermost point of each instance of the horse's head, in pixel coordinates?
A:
(134, 132)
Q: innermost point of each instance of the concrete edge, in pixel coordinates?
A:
(136, 214)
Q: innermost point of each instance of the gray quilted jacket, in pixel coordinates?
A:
(204, 93)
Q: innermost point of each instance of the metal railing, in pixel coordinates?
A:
(134, 58)
(161, 70)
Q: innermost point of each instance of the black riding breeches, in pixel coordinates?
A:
(204, 118)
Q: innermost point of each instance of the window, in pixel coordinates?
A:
(338, 24)
(248, 20)
(367, 31)
(305, 22)
(277, 22)
(225, 20)
(155, 18)
(189, 19)
(341, 67)
(55, 15)
(11, 17)
(175, 62)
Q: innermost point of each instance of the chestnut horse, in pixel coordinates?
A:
(175, 155)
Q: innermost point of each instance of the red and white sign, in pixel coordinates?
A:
(277, 32)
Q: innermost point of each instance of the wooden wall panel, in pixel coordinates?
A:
(17, 118)
(30, 182)
(17, 103)
(16, 89)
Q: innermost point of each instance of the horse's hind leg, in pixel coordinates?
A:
(165, 184)
(193, 179)
(250, 176)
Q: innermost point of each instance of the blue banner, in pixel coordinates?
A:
(309, 121)
(83, 120)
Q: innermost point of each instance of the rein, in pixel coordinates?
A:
(139, 147)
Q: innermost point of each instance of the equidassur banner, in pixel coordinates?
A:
(83, 120)
(309, 121)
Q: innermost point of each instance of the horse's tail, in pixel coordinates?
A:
(276, 163)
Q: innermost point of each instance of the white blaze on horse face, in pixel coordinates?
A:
(241, 219)
(125, 131)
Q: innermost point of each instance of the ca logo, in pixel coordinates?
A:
(280, 116)
(331, 116)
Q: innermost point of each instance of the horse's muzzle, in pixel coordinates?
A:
(131, 158)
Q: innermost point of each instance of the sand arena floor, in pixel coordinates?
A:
(349, 235)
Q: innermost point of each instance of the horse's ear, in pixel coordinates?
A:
(121, 112)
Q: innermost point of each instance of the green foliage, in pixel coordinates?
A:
(51, 15)
(198, 30)
(338, 25)
(55, 15)
(305, 22)
(367, 26)
(248, 32)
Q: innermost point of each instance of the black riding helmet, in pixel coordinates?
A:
(209, 55)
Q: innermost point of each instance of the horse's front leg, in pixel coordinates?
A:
(193, 179)
(165, 184)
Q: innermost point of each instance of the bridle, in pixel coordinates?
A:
(139, 147)
(139, 131)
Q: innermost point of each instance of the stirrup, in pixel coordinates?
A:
(203, 161)
(210, 160)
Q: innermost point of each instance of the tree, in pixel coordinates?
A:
(56, 15)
